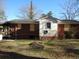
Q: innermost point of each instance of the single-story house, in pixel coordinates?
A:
(22, 29)
(42, 28)
(51, 27)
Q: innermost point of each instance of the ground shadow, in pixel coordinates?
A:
(72, 50)
(13, 55)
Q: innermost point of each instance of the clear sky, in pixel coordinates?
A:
(13, 7)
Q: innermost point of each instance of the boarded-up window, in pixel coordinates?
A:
(18, 27)
(32, 27)
(66, 27)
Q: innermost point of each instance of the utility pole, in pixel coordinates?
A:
(31, 14)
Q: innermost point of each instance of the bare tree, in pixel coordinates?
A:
(70, 9)
(29, 12)
(2, 12)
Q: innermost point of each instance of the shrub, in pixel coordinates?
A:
(49, 43)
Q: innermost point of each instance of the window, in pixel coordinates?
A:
(32, 27)
(49, 25)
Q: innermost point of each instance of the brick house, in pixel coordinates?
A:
(68, 29)
(22, 29)
(43, 28)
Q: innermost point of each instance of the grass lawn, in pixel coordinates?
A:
(52, 49)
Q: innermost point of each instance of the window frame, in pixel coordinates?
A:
(48, 25)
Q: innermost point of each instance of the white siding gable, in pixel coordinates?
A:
(43, 27)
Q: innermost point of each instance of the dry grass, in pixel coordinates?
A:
(54, 51)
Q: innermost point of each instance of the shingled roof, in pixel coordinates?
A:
(69, 22)
(22, 21)
(50, 18)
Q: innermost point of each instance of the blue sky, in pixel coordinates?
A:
(12, 7)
